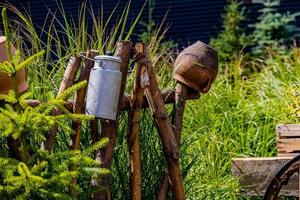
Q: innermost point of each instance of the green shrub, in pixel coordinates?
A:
(27, 171)
(273, 28)
(232, 39)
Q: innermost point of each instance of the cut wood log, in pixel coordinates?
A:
(109, 127)
(165, 130)
(67, 81)
(256, 173)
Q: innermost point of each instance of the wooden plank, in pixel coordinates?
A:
(288, 127)
(288, 138)
(256, 173)
(288, 145)
(295, 133)
(287, 154)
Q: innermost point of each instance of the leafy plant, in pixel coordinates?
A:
(26, 170)
(232, 39)
(66, 36)
(273, 28)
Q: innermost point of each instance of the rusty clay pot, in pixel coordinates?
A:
(6, 82)
(197, 67)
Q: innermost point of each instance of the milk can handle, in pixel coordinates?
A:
(91, 59)
(100, 63)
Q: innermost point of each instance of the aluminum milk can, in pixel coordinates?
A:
(104, 87)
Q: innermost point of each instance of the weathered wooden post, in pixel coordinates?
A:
(109, 127)
(79, 106)
(196, 68)
(134, 120)
(158, 109)
(67, 81)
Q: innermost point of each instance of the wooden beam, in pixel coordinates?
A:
(166, 133)
(78, 108)
(109, 128)
(256, 173)
(134, 123)
(67, 81)
(168, 96)
(177, 122)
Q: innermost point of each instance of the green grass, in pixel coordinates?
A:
(238, 121)
(236, 118)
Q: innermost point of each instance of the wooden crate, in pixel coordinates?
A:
(255, 173)
(288, 139)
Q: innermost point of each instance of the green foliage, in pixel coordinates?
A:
(150, 24)
(26, 170)
(47, 176)
(11, 67)
(37, 174)
(232, 39)
(232, 120)
(273, 28)
(237, 120)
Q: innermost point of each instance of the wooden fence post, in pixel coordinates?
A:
(181, 94)
(160, 114)
(134, 119)
(109, 127)
(79, 107)
(67, 81)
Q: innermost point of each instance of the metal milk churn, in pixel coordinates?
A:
(104, 87)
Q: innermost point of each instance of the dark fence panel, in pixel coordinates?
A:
(190, 20)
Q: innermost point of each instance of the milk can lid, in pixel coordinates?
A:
(110, 58)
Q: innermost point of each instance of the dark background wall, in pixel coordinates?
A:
(190, 20)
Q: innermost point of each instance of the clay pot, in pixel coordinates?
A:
(197, 67)
(6, 82)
